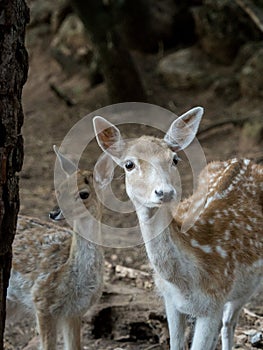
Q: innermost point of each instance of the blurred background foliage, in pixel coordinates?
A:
(145, 49)
(108, 31)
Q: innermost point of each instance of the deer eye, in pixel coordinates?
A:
(175, 160)
(129, 165)
(84, 195)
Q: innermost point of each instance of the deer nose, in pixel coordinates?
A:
(165, 196)
(56, 214)
(159, 193)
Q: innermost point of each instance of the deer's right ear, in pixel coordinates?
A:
(103, 170)
(108, 137)
(66, 164)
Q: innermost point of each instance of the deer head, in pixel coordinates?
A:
(149, 163)
(77, 192)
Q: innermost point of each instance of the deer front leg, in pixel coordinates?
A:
(47, 328)
(230, 317)
(176, 325)
(213, 347)
(71, 328)
(206, 332)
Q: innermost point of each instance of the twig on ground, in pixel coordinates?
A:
(253, 11)
(252, 314)
(155, 346)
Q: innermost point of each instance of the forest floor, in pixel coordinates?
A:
(130, 315)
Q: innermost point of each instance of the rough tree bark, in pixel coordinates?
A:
(14, 15)
(122, 78)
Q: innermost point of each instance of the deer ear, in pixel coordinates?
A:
(104, 170)
(184, 129)
(66, 164)
(108, 137)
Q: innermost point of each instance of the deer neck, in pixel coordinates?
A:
(85, 249)
(164, 245)
(153, 221)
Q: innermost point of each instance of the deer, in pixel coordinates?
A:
(57, 273)
(210, 270)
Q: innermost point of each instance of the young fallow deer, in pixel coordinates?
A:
(57, 274)
(210, 270)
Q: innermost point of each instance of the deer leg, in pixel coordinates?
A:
(176, 325)
(71, 328)
(206, 332)
(11, 310)
(33, 344)
(47, 328)
(213, 347)
(230, 317)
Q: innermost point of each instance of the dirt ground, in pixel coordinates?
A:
(47, 120)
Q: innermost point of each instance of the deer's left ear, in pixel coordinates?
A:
(184, 129)
(66, 164)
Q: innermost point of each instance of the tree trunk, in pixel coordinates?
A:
(122, 78)
(14, 15)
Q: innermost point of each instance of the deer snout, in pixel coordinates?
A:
(56, 214)
(165, 195)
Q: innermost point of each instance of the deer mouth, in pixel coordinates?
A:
(158, 204)
(56, 214)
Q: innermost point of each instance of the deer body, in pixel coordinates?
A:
(210, 270)
(57, 274)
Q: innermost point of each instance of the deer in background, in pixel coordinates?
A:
(57, 274)
(210, 270)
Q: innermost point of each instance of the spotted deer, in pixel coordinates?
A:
(210, 270)
(57, 274)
